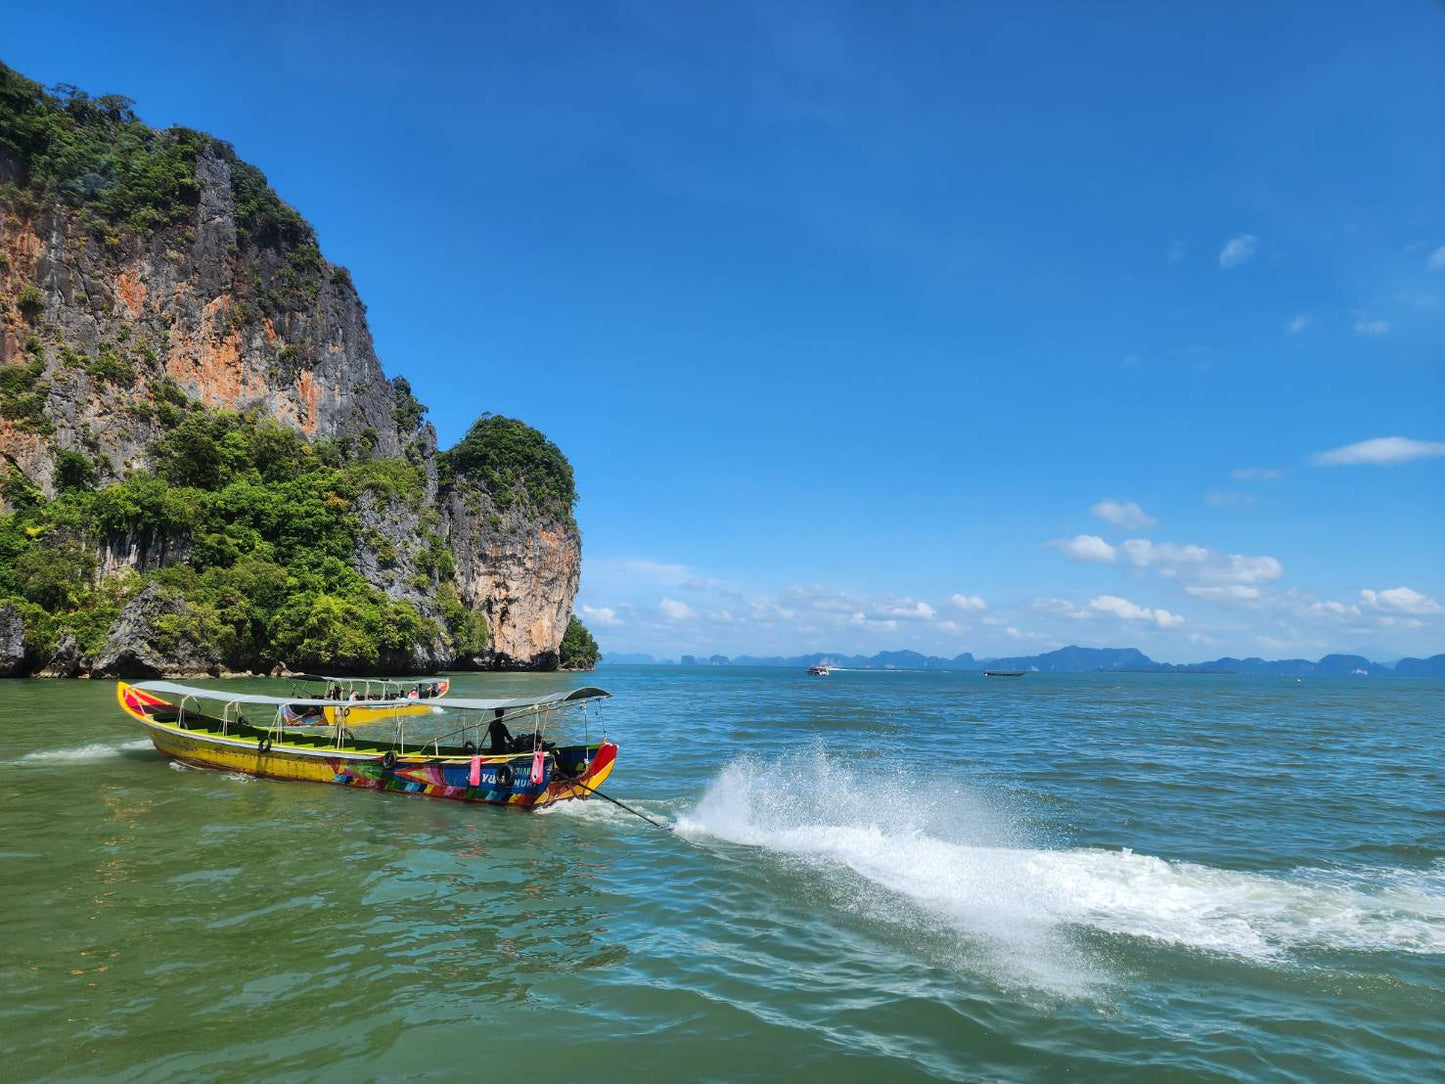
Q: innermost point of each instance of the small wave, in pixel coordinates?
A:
(93, 751)
(598, 811)
(961, 859)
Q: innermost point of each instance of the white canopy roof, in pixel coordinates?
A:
(171, 688)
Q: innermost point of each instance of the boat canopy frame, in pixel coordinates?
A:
(542, 709)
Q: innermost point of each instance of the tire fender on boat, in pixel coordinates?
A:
(505, 776)
(264, 745)
(389, 760)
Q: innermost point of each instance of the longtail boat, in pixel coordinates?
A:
(438, 755)
(361, 693)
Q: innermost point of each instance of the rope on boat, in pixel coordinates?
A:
(621, 805)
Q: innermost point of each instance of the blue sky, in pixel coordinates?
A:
(846, 311)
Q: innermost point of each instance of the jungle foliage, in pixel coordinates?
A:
(579, 650)
(268, 526)
(515, 464)
(95, 155)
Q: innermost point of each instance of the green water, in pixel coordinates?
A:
(873, 875)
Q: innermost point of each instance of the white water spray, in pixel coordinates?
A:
(957, 858)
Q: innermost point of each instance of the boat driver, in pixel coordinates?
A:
(498, 734)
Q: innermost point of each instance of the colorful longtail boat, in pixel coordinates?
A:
(438, 755)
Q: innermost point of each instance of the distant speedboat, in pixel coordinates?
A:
(819, 671)
(1003, 673)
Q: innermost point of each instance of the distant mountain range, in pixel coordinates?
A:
(1071, 660)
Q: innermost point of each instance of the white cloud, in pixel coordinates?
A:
(1239, 250)
(1060, 607)
(1366, 326)
(676, 611)
(1226, 591)
(1256, 474)
(1126, 514)
(1298, 324)
(1437, 259)
(1401, 600)
(966, 603)
(600, 615)
(1193, 565)
(1380, 451)
(1128, 611)
(1169, 555)
(907, 610)
(1086, 547)
(1402, 622)
(863, 621)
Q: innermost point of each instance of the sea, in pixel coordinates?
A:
(877, 875)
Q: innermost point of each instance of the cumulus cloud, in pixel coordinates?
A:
(906, 610)
(600, 615)
(966, 603)
(676, 611)
(1125, 610)
(1256, 474)
(1126, 514)
(1366, 326)
(1381, 451)
(1201, 571)
(1298, 324)
(1239, 250)
(1086, 547)
(1401, 600)
(1436, 262)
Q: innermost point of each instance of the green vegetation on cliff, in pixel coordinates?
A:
(266, 524)
(579, 650)
(95, 155)
(516, 464)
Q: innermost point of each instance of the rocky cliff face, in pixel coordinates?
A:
(230, 321)
(520, 571)
(145, 275)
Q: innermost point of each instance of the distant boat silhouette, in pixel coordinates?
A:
(1003, 673)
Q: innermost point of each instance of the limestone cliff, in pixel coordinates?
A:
(519, 571)
(149, 279)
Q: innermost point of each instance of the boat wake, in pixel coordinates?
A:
(93, 751)
(955, 857)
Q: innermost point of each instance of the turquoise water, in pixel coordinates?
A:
(899, 875)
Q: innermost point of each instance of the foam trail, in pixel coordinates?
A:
(949, 854)
(93, 751)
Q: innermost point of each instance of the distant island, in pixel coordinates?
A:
(1067, 660)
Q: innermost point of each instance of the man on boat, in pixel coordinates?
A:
(498, 734)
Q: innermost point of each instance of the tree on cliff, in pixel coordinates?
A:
(579, 650)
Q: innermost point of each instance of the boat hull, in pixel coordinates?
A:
(501, 780)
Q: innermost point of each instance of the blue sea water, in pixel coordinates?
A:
(875, 874)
